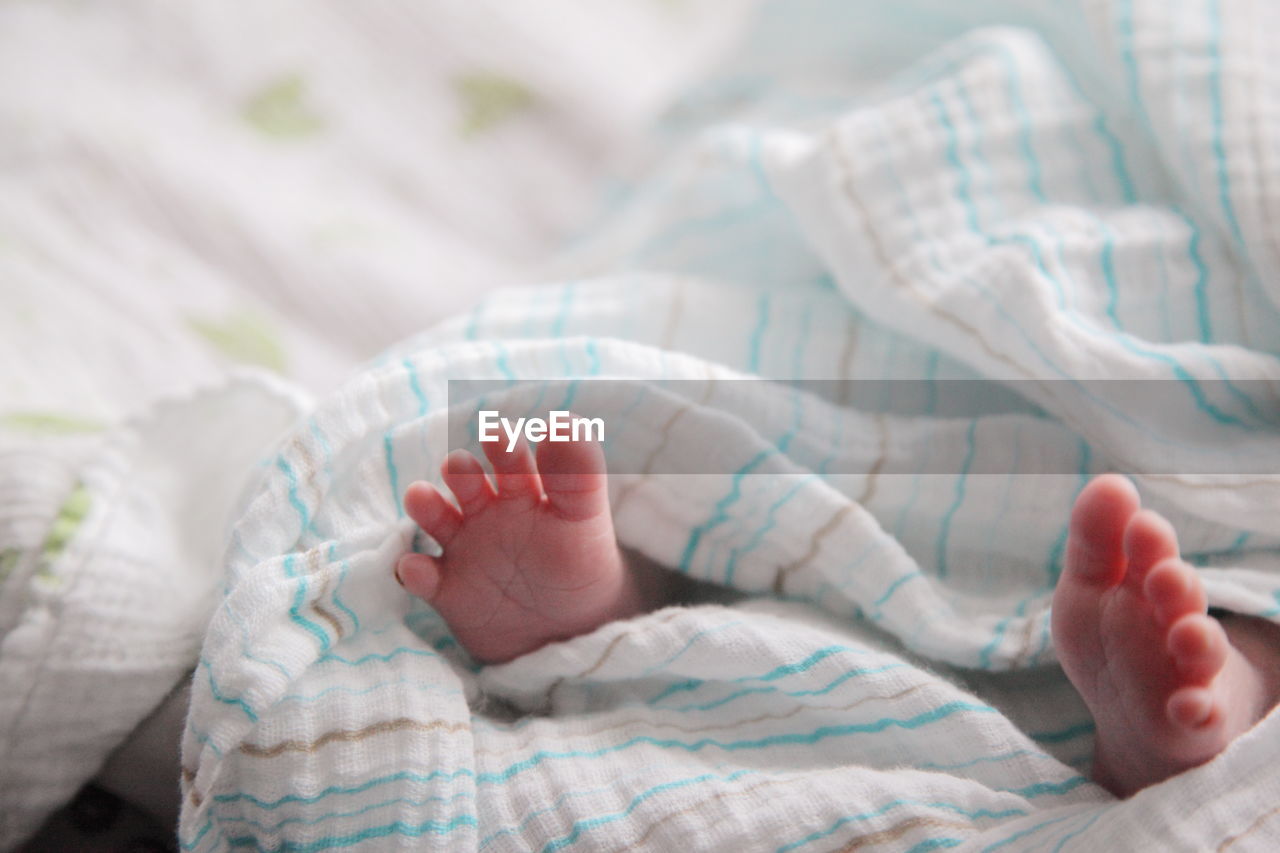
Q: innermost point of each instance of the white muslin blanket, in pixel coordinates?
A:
(1085, 196)
(1086, 191)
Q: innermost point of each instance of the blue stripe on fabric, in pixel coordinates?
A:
(1106, 260)
(385, 658)
(689, 643)
(402, 776)
(789, 739)
(585, 824)
(944, 532)
(805, 665)
(985, 759)
(975, 148)
(191, 844)
(796, 694)
(720, 514)
(1042, 788)
(304, 517)
(1063, 735)
(874, 547)
(1124, 27)
(244, 641)
(499, 777)
(1024, 128)
(762, 530)
(973, 815)
(566, 367)
(567, 295)
(797, 372)
(415, 387)
(203, 739)
(935, 844)
(472, 330)
(427, 686)
(299, 598)
(1129, 343)
(393, 475)
(500, 359)
(953, 156)
(1118, 165)
(558, 803)
(225, 699)
(1201, 286)
(997, 636)
(401, 828)
(1024, 833)
(772, 675)
(1214, 48)
(756, 341)
(879, 603)
(1058, 550)
(1084, 828)
(908, 506)
(345, 569)
(931, 376)
(302, 821)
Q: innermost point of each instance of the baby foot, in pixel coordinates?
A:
(532, 561)
(1167, 688)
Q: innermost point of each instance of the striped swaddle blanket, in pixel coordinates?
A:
(1084, 197)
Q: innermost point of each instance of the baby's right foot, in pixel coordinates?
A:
(1168, 686)
(532, 561)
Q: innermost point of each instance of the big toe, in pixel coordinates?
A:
(1096, 541)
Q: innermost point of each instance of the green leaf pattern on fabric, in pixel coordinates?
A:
(280, 109)
(49, 423)
(488, 99)
(245, 337)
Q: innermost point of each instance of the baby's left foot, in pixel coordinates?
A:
(528, 562)
(1168, 685)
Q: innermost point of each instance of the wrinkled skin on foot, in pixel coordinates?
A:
(1168, 685)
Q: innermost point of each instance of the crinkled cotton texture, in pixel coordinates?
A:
(110, 573)
(1090, 195)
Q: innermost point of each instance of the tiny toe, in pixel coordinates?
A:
(1095, 548)
(419, 574)
(466, 479)
(1148, 539)
(1174, 590)
(1199, 647)
(438, 518)
(514, 470)
(1192, 707)
(574, 477)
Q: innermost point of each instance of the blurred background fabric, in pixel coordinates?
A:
(210, 212)
(296, 185)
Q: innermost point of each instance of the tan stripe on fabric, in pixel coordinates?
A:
(1258, 823)
(348, 736)
(815, 542)
(893, 833)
